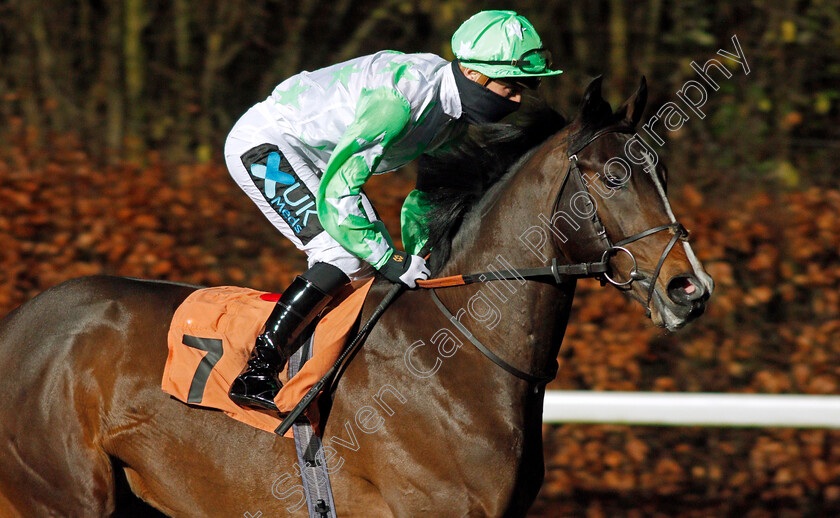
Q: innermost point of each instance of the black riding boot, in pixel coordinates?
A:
(297, 308)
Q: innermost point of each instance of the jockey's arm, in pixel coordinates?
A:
(413, 224)
(412, 221)
(381, 116)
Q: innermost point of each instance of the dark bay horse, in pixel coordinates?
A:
(421, 423)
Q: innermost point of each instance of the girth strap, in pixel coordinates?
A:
(535, 380)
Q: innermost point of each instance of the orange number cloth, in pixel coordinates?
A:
(211, 337)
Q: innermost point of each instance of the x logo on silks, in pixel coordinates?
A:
(272, 174)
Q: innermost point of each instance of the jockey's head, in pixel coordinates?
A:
(497, 52)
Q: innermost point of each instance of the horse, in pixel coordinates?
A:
(420, 422)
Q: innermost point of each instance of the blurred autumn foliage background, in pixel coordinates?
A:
(113, 116)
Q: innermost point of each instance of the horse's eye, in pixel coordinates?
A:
(612, 182)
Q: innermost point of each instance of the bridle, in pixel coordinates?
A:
(679, 232)
(556, 273)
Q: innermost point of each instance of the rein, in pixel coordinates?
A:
(555, 273)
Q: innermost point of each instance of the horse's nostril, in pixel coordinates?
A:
(685, 288)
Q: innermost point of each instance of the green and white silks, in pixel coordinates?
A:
(366, 116)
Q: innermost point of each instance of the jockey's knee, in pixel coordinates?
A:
(352, 266)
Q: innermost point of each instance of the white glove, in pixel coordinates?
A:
(404, 268)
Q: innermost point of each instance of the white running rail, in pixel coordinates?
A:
(692, 409)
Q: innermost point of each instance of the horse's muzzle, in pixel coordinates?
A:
(686, 300)
(686, 289)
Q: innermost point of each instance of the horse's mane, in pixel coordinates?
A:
(464, 174)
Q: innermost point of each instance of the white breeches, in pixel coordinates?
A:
(291, 208)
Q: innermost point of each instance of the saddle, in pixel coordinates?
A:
(211, 336)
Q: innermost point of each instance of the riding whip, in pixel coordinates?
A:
(310, 396)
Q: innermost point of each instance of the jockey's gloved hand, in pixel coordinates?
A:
(404, 268)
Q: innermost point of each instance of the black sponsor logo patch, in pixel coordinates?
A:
(284, 190)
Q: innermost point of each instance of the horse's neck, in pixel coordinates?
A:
(528, 318)
(495, 226)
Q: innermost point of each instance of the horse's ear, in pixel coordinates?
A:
(631, 111)
(593, 91)
(594, 109)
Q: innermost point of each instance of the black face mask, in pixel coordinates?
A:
(478, 103)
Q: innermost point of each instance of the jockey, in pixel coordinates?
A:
(304, 153)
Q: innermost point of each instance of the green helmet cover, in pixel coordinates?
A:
(497, 36)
